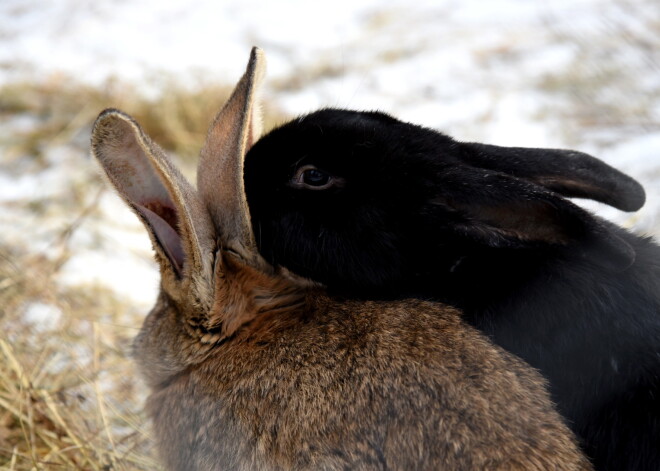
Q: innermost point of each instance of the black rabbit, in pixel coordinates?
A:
(373, 207)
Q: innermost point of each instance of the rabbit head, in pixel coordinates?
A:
(252, 368)
(360, 199)
(199, 236)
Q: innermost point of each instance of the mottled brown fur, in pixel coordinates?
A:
(356, 385)
(252, 368)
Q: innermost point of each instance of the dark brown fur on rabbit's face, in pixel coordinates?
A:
(253, 368)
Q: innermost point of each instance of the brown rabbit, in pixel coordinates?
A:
(252, 368)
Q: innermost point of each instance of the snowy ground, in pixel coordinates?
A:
(569, 73)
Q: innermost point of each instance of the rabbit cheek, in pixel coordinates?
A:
(244, 293)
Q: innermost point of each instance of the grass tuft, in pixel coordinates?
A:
(69, 397)
(177, 118)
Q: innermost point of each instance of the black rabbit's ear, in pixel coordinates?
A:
(567, 172)
(501, 211)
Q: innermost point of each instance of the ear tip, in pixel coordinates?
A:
(609, 247)
(257, 55)
(106, 117)
(110, 113)
(624, 255)
(257, 64)
(633, 196)
(627, 193)
(108, 129)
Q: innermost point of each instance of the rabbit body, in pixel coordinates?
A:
(351, 385)
(392, 210)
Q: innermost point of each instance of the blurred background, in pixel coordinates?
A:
(76, 272)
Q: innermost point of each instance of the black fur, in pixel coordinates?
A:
(489, 230)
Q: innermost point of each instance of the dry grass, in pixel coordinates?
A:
(69, 394)
(64, 110)
(600, 98)
(70, 397)
(608, 91)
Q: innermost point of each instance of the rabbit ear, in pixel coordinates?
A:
(220, 171)
(567, 172)
(253, 287)
(498, 210)
(152, 186)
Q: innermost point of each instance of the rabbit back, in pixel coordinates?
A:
(361, 385)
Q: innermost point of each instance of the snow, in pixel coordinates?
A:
(476, 70)
(41, 316)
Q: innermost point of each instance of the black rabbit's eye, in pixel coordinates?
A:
(312, 178)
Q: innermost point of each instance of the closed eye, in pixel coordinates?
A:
(311, 178)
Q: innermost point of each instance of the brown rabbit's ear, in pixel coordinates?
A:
(220, 171)
(154, 188)
(567, 172)
(253, 287)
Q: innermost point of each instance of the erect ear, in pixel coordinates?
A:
(153, 187)
(245, 284)
(567, 172)
(220, 171)
(501, 211)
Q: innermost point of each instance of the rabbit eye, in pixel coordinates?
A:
(312, 178)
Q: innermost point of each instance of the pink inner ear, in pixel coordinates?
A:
(164, 226)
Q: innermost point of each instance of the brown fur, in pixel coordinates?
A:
(354, 385)
(252, 368)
